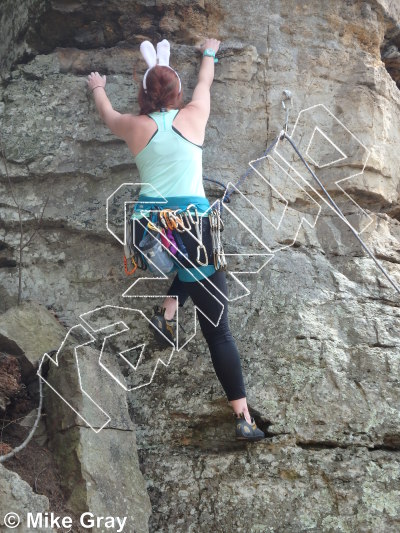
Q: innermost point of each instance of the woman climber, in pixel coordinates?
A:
(166, 140)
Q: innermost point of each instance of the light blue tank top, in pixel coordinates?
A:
(169, 162)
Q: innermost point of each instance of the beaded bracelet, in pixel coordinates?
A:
(97, 86)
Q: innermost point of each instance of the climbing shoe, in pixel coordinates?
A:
(163, 327)
(246, 431)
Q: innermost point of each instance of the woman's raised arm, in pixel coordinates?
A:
(120, 124)
(200, 103)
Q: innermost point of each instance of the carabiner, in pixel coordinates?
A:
(180, 226)
(199, 248)
(163, 219)
(170, 221)
(189, 214)
(188, 227)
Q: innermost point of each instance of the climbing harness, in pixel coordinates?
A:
(162, 233)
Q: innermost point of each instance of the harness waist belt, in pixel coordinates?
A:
(146, 203)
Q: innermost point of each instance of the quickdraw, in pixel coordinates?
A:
(216, 226)
(200, 246)
(184, 219)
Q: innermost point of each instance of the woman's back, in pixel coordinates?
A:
(189, 122)
(169, 162)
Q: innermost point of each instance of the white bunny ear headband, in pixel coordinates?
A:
(152, 58)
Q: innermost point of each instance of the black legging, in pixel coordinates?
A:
(204, 294)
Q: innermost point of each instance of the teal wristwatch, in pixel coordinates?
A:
(211, 53)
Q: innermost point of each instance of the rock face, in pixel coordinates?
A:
(319, 333)
(16, 496)
(16, 327)
(96, 451)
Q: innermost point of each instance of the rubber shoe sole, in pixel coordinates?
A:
(246, 431)
(162, 327)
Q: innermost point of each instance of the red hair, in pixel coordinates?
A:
(162, 91)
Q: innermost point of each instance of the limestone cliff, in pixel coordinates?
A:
(319, 333)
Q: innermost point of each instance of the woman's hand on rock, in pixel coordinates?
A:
(210, 43)
(95, 80)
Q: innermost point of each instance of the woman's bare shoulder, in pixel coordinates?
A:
(142, 122)
(140, 118)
